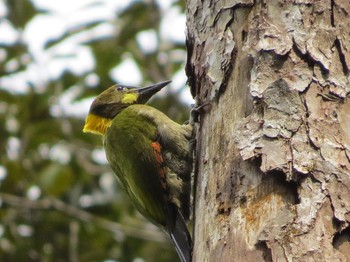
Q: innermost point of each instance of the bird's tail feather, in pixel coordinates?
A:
(182, 239)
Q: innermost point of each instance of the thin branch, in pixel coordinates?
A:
(73, 241)
(56, 204)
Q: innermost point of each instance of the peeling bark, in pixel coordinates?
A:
(273, 142)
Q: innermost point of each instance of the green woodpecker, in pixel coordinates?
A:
(150, 154)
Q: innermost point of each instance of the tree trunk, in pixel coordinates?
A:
(273, 142)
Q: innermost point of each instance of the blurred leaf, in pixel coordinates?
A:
(20, 12)
(55, 179)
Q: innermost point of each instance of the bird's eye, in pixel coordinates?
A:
(121, 88)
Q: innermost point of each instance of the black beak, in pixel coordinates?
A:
(148, 91)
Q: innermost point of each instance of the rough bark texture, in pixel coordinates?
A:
(273, 143)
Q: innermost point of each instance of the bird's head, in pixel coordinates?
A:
(113, 100)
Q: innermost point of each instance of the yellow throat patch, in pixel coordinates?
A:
(96, 124)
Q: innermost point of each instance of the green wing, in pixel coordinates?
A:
(134, 153)
(150, 155)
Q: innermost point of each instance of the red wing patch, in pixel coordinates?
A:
(160, 164)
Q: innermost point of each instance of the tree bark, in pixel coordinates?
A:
(272, 174)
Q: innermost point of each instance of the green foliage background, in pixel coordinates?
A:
(58, 202)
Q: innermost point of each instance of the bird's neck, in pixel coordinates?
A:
(96, 124)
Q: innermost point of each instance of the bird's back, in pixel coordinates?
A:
(128, 145)
(146, 162)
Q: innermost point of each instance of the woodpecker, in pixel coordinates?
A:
(150, 155)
